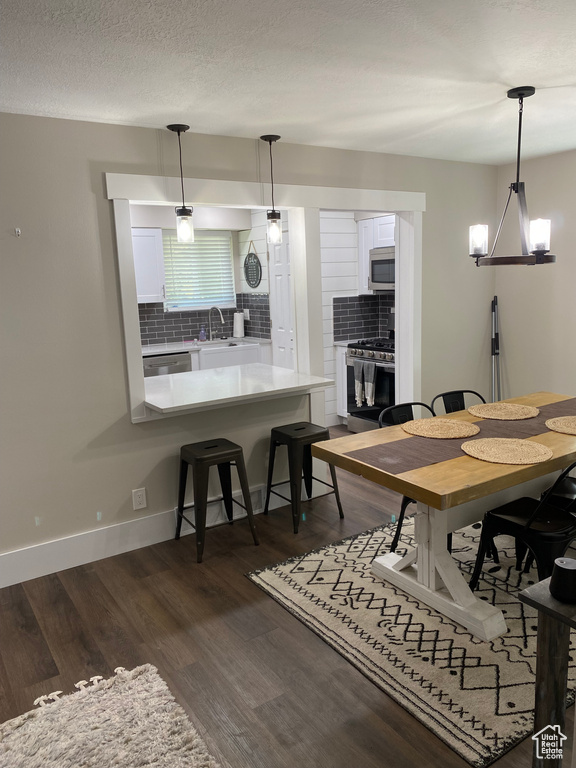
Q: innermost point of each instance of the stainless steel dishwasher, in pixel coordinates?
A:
(173, 362)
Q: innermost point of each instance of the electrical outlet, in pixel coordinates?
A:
(246, 314)
(139, 498)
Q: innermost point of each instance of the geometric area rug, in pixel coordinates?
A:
(129, 721)
(477, 696)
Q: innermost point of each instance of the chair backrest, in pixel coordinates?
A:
(454, 400)
(400, 413)
(547, 498)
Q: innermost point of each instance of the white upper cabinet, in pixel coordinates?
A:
(372, 233)
(383, 231)
(148, 264)
(365, 243)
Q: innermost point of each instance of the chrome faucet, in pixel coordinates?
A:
(210, 320)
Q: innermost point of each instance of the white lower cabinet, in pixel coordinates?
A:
(341, 383)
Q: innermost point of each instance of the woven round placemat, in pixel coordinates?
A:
(440, 428)
(564, 424)
(503, 411)
(507, 450)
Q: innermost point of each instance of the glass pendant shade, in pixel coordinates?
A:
(478, 240)
(540, 236)
(184, 226)
(274, 227)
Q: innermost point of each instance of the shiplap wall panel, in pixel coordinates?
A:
(339, 263)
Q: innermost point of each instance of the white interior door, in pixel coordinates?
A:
(281, 306)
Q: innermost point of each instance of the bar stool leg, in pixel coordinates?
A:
(226, 485)
(270, 473)
(295, 462)
(181, 494)
(336, 491)
(243, 477)
(200, 504)
(307, 469)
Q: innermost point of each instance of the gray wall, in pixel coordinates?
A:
(537, 307)
(70, 455)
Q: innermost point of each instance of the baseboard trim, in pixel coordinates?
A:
(59, 554)
(70, 551)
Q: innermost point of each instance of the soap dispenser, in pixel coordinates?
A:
(202, 335)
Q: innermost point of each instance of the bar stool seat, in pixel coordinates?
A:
(201, 456)
(298, 438)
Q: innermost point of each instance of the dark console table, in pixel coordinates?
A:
(555, 619)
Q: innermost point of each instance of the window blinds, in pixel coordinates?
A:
(198, 275)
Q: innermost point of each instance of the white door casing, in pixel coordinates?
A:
(281, 315)
(303, 204)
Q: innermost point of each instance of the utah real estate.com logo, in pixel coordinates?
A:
(549, 743)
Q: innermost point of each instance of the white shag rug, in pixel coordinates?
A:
(128, 721)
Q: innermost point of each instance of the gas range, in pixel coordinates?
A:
(379, 349)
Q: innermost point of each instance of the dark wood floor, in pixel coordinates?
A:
(264, 691)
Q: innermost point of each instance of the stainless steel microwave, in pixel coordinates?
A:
(382, 269)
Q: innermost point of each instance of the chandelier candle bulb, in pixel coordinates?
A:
(540, 236)
(479, 240)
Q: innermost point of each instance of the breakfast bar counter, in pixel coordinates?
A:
(220, 387)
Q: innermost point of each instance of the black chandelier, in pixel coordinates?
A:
(534, 235)
(184, 226)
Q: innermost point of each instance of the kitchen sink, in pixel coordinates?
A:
(224, 353)
(217, 343)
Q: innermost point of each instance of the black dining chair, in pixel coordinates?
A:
(562, 495)
(400, 414)
(542, 527)
(454, 400)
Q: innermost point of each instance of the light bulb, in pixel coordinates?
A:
(540, 236)
(274, 227)
(479, 240)
(184, 226)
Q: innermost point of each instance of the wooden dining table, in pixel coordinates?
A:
(452, 490)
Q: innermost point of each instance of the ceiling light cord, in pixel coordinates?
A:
(271, 175)
(520, 112)
(181, 171)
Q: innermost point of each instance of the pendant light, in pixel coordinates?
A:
(274, 219)
(184, 226)
(534, 235)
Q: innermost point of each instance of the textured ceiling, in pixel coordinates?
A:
(415, 77)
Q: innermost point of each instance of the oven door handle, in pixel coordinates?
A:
(377, 363)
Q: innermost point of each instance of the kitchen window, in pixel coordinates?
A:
(198, 275)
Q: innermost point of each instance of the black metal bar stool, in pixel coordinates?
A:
(201, 456)
(298, 438)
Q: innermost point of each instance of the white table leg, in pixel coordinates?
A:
(430, 574)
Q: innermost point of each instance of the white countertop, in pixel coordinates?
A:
(191, 346)
(220, 387)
